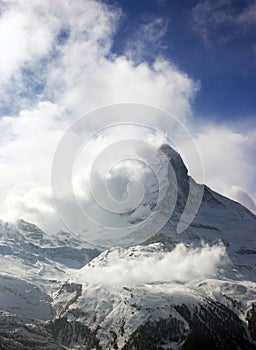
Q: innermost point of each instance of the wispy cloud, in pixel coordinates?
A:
(243, 197)
(182, 265)
(146, 40)
(218, 22)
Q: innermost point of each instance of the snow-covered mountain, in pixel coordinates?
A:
(194, 289)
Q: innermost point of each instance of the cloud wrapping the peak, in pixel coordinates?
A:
(61, 68)
(57, 64)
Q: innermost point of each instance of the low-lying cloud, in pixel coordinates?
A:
(181, 265)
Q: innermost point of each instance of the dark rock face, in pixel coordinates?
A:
(175, 160)
(157, 335)
(73, 333)
(180, 172)
(212, 326)
(59, 334)
(251, 319)
(31, 230)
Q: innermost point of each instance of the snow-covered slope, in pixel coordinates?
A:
(169, 301)
(33, 266)
(190, 290)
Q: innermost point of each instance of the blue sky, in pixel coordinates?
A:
(213, 41)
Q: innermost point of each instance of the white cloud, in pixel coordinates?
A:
(79, 73)
(228, 158)
(149, 33)
(120, 80)
(67, 49)
(244, 198)
(30, 43)
(181, 265)
(23, 36)
(25, 160)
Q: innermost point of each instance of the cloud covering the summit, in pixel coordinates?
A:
(57, 64)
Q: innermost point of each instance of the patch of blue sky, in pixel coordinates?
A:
(63, 36)
(219, 53)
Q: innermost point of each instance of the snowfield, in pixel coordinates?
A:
(189, 290)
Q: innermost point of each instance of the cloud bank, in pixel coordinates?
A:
(57, 64)
(181, 265)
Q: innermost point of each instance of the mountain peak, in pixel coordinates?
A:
(31, 230)
(176, 161)
(174, 290)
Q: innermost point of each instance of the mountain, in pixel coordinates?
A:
(176, 289)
